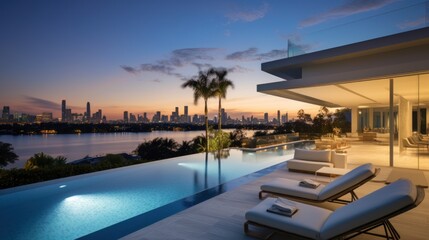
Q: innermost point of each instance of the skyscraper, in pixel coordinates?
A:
(125, 116)
(186, 110)
(5, 113)
(185, 118)
(68, 115)
(63, 111)
(223, 115)
(88, 111)
(97, 116)
(133, 118)
(156, 117)
(266, 117)
(278, 117)
(145, 119)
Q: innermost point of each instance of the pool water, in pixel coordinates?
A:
(73, 207)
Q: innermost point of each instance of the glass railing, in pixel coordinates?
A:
(310, 39)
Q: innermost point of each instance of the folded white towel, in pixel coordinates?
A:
(286, 207)
(308, 183)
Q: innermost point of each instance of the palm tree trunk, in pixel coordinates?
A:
(219, 128)
(207, 124)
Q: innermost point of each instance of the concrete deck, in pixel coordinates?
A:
(222, 217)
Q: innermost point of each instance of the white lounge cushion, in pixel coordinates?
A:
(291, 187)
(307, 221)
(346, 181)
(312, 155)
(378, 204)
(304, 165)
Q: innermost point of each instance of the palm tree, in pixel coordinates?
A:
(222, 85)
(204, 87)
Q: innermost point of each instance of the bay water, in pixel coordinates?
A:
(77, 146)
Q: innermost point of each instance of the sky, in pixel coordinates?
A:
(134, 55)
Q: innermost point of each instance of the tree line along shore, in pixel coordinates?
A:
(77, 128)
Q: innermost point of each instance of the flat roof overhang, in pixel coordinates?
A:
(336, 77)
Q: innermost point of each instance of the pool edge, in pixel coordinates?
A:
(138, 222)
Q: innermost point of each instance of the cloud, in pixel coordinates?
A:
(161, 68)
(188, 55)
(248, 15)
(202, 66)
(238, 68)
(412, 24)
(179, 58)
(42, 103)
(276, 53)
(349, 8)
(252, 54)
(243, 55)
(130, 69)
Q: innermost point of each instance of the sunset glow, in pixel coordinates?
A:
(134, 55)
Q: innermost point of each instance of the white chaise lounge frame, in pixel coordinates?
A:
(334, 197)
(364, 228)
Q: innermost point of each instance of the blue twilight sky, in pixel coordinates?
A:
(133, 55)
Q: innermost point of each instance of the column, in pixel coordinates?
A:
(405, 125)
(427, 120)
(371, 118)
(355, 116)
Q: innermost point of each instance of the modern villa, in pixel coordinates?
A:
(373, 78)
(385, 83)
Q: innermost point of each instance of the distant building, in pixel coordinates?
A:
(265, 117)
(164, 118)
(88, 111)
(97, 117)
(77, 117)
(68, 115)
(157, 117)
(5, 113)
(186, 118)
(63, 111)
(133, 118)
(125, 116)
(195, 119)
(145, 119)
(224, 116)
(46, 117)
(278, 117)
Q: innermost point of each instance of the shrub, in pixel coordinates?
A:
(6, 154)
(41, 160)
(158, 148)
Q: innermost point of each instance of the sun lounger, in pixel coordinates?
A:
(360, 216)
(330, 192)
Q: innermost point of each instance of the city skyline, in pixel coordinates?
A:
(134, 55)
(69, 115)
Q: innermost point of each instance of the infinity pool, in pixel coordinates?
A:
(73, 207)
